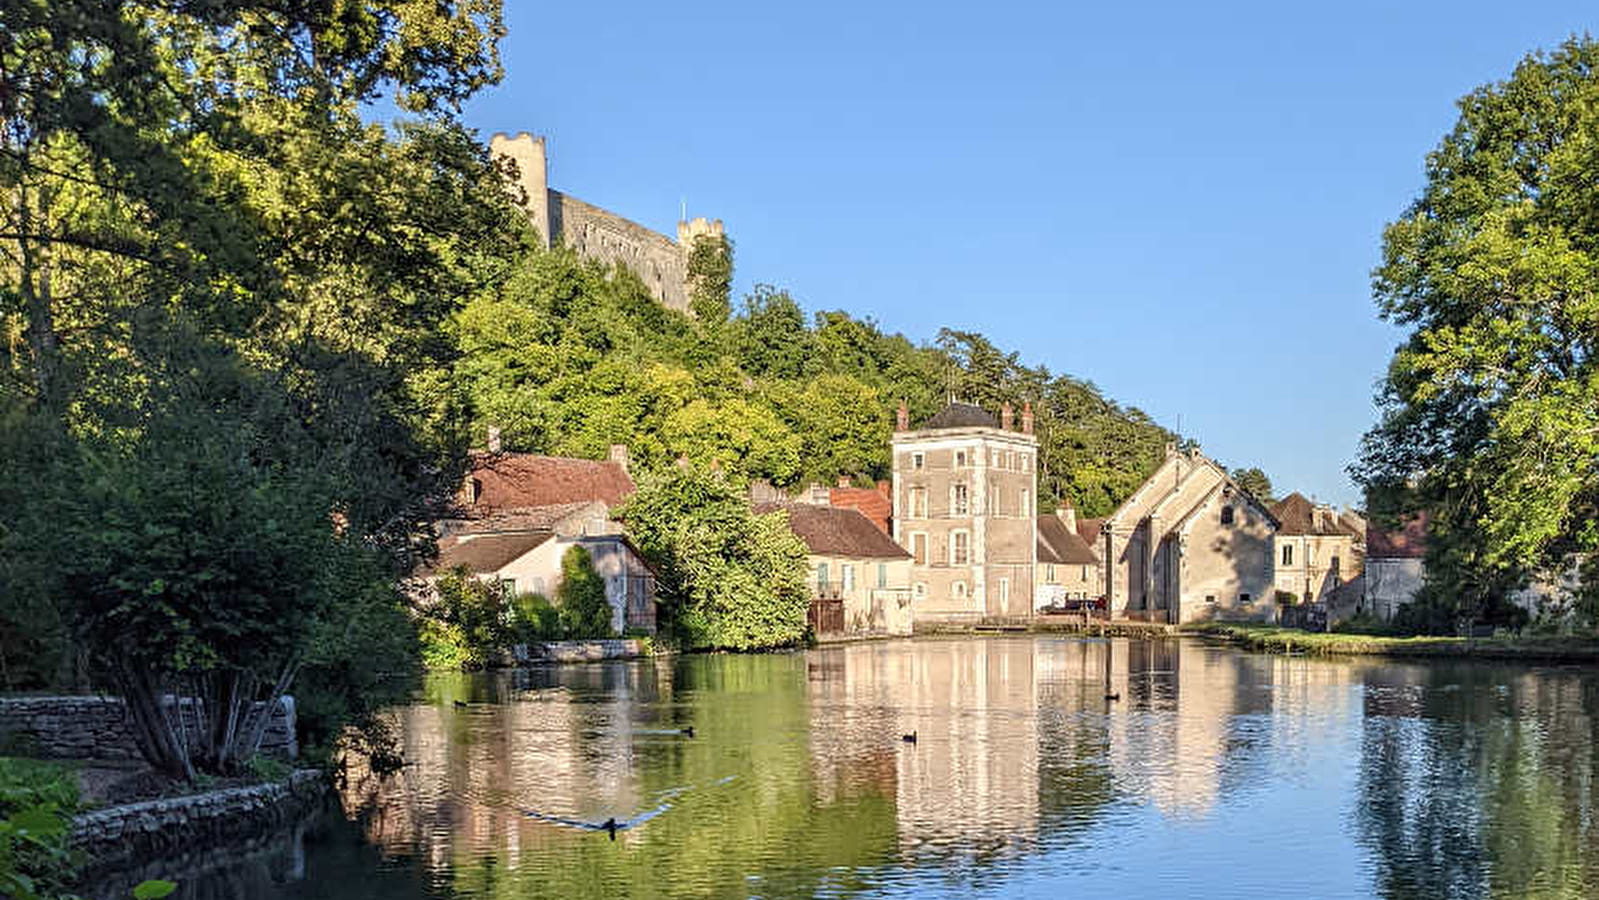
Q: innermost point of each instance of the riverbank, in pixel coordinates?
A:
(1276, 639)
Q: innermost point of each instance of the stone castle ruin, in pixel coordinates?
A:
(659, 261)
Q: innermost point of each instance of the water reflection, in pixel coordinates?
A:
(1210, 773)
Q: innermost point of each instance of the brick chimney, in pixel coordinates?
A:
(619, 455)
(902, 419)
(494, 439)
(1027, 417)
(1007, 417)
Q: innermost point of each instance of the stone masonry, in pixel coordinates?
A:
(83, 727)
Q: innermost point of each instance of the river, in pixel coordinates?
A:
(1213, 773)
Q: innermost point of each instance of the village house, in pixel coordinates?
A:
(1189, 545)
(1394, 570)
(964, 506)
(1317, 549)
(1068, 567)
(859, 576)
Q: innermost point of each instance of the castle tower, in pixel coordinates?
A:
(532, 177)
(965, 490)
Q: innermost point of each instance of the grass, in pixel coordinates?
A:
(1276, 639)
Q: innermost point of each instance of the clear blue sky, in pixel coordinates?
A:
(1180, 202)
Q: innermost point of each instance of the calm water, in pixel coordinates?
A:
(1216, 774)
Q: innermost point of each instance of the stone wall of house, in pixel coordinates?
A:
(156, 828)
(84, 727)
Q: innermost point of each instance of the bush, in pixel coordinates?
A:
(534, 619)
(36, 802)
(1364, 623)
(585, 613)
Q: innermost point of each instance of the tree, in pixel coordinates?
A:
(728, 578)
(585, 611)
(1255, 482)
(1489, 405)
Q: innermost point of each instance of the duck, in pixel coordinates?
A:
(688, 732)
(908, 738)
(1113, 697)
(460, 704)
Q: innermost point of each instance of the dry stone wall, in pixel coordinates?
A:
(83, 727)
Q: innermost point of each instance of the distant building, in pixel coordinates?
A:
(1394, 569)
(1068, 567)
(873, 502)
(1189, 545)
(964, 506)
(1316, 548)
(853, 562)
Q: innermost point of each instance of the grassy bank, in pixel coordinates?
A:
(1274, 639)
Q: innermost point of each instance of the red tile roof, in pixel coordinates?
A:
(872, 503)
(828, 531)
(1406, 542)
(507, 481)
(1059, 544)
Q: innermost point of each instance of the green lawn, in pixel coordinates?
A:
(1275, 639)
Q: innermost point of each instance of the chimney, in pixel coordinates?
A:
(619, 455)
(902, 419)
(1027, 417)
(494, 439)
(1007, 417)
(1171, 449)
(1067, 514)
(844, 481)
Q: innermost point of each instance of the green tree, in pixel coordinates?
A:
(585, 611)
(1255, 482)
(1489, 404)
(728, 578)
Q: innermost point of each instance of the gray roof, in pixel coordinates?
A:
(485, 554)
(1059, 544)
(962, 415)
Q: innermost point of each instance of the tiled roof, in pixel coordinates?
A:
(1298, 515)
(962, 415)
(829, 531)
(486, 553)
(528, 518)
(1089, 529)
(1407, 542)
(872, 503)
(519, 480)
(1059, 544)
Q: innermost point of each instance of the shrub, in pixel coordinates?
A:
(584, 610)
(36, 801)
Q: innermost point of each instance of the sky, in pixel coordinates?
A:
(1179, 202)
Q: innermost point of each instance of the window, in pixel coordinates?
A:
(1210, 598)
(919, 590)
(821, 576)
(1227, 515)
(508, 585)
(1288, 554)
(958, 590)
(918, 460)
(1004, 590)
(1334, 566)
(1244, 598)
(1049, 574)
(919, 548)
(1010, 460)
(1083, 576)
(918, 503)
(960, 459)
(1024, 505)
(1310, 554)
(960, 548)
(959, 501)
(882, 575)
(993, 458)
(848, 577)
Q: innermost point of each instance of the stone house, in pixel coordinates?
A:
(529, 562)
(1068, 567)
(853, 561)
(1316, 549)
(964, 505)
(1394, 569)
(1189, 545)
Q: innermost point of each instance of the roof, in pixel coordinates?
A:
(508, 481)
(522, 518)
(1409, 541)
(1298, 515)
(1089, 529)
(487, 553)
(872, 503)
(962, 415)
(831, 531)
(1059, 544)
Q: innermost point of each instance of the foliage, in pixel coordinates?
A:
(36, 801)
(1488, 406)
(584, 610)
(468, 624)
(710, 278)
(727, 578)
(1255, 482)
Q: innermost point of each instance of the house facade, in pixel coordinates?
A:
(964, 495)
(1316, 549)
(852, 562)
(1189, 545)
(1394, 569)
(1068, 568)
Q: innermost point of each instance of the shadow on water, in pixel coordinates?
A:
(1212, 773)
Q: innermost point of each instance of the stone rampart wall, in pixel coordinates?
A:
(603, 235)
(84, 727)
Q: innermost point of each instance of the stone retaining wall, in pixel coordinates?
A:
(578, 651)
(155, 828)
(82, 727)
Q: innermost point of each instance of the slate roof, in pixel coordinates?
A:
(1089, 530)
(962, 415)
(872, 503)
(1298, 515)
(1406, 542)
(830, 531)
(508, 481)
(486, 553)
(1059, 544)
